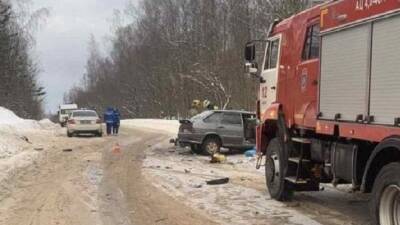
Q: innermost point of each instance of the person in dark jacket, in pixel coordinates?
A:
(109, 119)
(116, 121)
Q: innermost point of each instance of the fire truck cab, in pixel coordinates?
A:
(328, 102)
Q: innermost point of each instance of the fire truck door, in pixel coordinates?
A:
(306, 83)
(268, 89)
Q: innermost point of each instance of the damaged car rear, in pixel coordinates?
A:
(208, 132)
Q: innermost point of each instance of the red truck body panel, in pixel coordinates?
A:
(298, 89)
(344, 12)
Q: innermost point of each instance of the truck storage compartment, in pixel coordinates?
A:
(385, 71)
(345, 73)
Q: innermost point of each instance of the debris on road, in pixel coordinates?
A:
(160, 220)
(250, 153)
(218, 158)
(116, 149)
(218, 181)
(25, 138)
(38, 149)
(67, 150)
(196, 185)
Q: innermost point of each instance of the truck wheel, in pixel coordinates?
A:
(275, 170)
(196, 148)
(385, 200)
(211, 145)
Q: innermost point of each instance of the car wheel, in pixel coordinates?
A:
(385, 200)
(70, 134)
(196, 148)
(211, 145)
(100, 134)
(275, 170)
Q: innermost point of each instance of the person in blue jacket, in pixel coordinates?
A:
(109, 119)
(117, 120)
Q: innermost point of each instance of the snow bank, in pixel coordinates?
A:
(168, 126)
(7, 117)
(9, 166)
(9, 122)
(16, 150)
(47, 124)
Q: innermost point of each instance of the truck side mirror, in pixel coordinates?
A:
(250, 52)
(250, 68)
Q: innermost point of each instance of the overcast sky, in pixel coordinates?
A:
(62, 41)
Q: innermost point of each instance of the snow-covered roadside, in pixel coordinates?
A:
(168, 126)
(244, 199)
(16, 147)
(184, 176)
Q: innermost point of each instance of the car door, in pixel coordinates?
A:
(249, 127)
(231, 129)
(208, 125)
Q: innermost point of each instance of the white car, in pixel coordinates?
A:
(84, 122)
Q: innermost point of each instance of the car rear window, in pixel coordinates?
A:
(232, 118)
(84, 114)
(201, 115)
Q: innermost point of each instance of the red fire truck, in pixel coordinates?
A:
(329, 102)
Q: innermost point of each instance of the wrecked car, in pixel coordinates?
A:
(209, 131)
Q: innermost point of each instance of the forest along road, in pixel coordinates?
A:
(138, 178)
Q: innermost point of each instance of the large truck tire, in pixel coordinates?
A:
(275, 170)
(385, 199)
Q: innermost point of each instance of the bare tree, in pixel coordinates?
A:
(19, 89)
(175, 51)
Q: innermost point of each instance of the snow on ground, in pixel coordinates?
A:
(242, 201)
(169, 126)
(16, 148)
